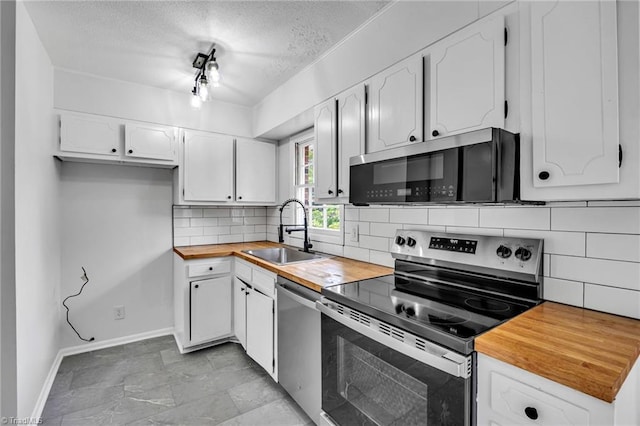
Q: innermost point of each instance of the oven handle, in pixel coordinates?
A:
(457, 368)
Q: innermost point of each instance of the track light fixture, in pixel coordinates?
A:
(208, 76)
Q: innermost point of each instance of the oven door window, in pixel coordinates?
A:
(367, 383)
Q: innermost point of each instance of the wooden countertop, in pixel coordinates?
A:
(592, 352)
(315, 274)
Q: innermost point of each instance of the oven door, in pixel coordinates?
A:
(369, 378)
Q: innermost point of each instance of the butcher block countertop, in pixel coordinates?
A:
(592, 352)
(314, 274)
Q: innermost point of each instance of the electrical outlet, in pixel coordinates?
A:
(118, 312)
(354, 233)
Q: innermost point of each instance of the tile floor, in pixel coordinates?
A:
(151, 383)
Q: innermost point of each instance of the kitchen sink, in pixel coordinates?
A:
(283, 255)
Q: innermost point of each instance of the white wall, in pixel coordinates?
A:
(399, 31)
(116, 223)
(8, 396)
(36, 209)
(87, 93)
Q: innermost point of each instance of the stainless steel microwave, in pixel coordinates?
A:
(482, 166)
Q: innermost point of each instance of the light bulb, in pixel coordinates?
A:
(214, 71)
(196, 102)
(203, 89)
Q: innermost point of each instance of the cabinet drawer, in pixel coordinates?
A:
(265, 282)
(243, 271)
(210, 268)
(527, 405)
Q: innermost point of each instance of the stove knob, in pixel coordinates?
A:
(503, 252)
(400, 240)
(523, 254)
(410, 311)
(399, 308)
(411, 242)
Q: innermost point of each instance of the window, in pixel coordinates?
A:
(323, 217)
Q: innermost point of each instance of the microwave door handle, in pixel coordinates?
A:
(435, 356)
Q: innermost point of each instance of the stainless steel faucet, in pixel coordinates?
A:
(295, 227)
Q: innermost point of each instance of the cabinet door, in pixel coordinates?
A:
(255, 171)
(467, 80)
(240, 311)
(207, 167)
(395, 106)
(574, 79)
(89, 135)
(326, 146)
(149, 141)
(260, 312)
(351, 131)
(210, 313)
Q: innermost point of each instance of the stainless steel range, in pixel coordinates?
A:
(398, 350)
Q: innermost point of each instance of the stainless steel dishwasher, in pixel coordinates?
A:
(299, 362)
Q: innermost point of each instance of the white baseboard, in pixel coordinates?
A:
(73, 350)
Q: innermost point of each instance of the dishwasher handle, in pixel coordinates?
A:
(288, 291)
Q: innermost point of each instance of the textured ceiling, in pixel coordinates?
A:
(260, 44)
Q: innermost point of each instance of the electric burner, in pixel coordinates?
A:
(447, 295)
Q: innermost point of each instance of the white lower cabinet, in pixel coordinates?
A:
(260, 328)
(255, 314)
(202, 301)
(240, 311)
(508, 395)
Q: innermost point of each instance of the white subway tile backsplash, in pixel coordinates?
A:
(429, 228)
(351, 214)
(409, 215)
(474, 231)
(199, 241)
(613, 300)
(546, 265)
(381, 258)
(596, 271)
(454, 217)
(216, 212)
(374, 243)
(187, 232)
(237, 221)
(234, 238)
(384, 229)
(181, 222)
(256, 236)
(255, 220)
(260, 228)
(617, 220)
(181, 241)
(215, 230)
(614, 246)
(199, 221)
(555, 242)
(563, 291)
(515, 217)
(374, 215)
(356, 253)
(333, 249)
(177, 212)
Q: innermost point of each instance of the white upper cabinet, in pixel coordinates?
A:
(574, 93)
(150, 141)
(395, 106)
(255, 171)
(351, 132)
(467, 81)
(207, 167)
(89, 135)
(340, 134)
(221, 169)
(326, 147)
(98, 139)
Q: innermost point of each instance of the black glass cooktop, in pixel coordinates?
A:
(446, 314)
